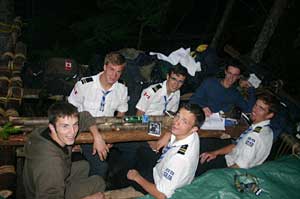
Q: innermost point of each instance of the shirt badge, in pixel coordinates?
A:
(250, 141)
(168, 173)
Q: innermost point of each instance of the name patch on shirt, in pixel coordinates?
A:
(250, 141)
(168, 173)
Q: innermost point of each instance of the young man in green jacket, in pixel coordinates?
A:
(48, 170)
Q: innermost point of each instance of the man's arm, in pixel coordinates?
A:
(246, 105)
(88, 122)
(99, 145)
(199, 96)
(147, 186)
(120, 114)
(234, 166)
(49, 180)
(208, 156)
(97, 195)
(139, 112)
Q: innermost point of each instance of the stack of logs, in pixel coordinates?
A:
(11, 86)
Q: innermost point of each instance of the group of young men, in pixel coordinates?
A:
(49, 172)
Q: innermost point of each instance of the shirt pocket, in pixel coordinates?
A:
(90, 105)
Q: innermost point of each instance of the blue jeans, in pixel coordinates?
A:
(97, 167)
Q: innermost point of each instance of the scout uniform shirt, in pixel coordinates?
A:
(88, 95)
(253, 148)
(154, 100)
(177, 165)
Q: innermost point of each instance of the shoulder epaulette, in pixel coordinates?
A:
(182, 149)
(156, 88)
(86, 80)
(257, 129)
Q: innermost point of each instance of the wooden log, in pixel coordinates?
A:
(32, 121)
(4, 84)
(134, 135)
(20, 52)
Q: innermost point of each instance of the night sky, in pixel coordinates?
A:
(80, 29)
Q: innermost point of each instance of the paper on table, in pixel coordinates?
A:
(254, 80)
(214, 122)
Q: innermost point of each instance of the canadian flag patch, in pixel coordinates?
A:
(146, 95)
(68, 65)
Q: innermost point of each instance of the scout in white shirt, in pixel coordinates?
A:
(253, 146)
(89, 95)
(178, 162)
(101, 95)
(162, 97)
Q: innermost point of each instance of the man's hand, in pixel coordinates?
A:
(133, 174)
(163, 141)
(207, 156)
(244, 84)
(97, 195)
(207, 111)
(101, 148)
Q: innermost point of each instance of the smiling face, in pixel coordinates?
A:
(65, 130)
(184, 124)
(112, 73)
(232, 74)
(260, 112)
(174, 82)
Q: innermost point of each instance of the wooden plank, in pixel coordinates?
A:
(134, 135)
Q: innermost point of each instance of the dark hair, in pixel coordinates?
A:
(236, 64)
(197, 111)
(178, 70)
(271, 100)
(61, 109)
(115, 58)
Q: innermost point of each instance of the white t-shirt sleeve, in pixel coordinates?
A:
(77, 96)
(249, 149)
(174, 175)
(145, 100)
(123, 107)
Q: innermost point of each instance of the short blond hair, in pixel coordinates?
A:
(115, 58)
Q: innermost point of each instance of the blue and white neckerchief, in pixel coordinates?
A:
(165, 150)
(166, 103)
(243, 134)
(102, 104)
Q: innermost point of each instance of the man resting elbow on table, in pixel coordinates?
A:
(252, 147)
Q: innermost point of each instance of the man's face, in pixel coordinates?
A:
(112, 73)
(232, 74)
(174, 82)
(260, 112)
(183, 124)
(66, 129)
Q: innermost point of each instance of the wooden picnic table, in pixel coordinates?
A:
(115, 135)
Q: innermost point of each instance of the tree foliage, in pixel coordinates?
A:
(121, 21)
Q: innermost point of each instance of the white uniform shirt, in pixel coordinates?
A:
(177, 165)
(154, 99)
(254, 148)
(87, 95)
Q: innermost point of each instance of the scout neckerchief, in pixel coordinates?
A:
(102, 104)
(166, 102)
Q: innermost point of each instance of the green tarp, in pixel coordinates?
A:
(278, 179)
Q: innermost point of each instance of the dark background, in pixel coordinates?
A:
(80, 29)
